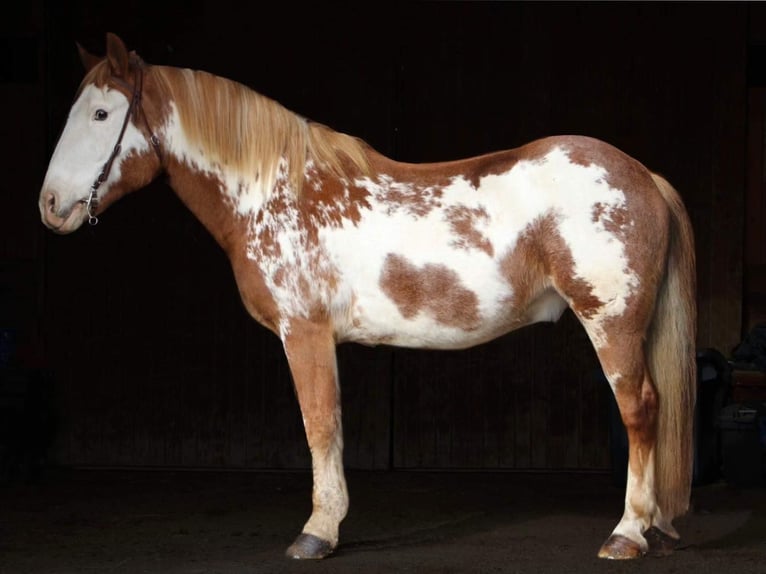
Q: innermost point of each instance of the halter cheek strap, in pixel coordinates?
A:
(91, 203)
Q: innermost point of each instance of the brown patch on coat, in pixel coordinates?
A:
(637, 400)
(431, 289)
(310, 349)
(328, 201)
(621, 171)
(266, 239)
(614, 219)
(496, 163)
(412, 199)
(541, 259)
(138, 169)
(253, 291)
(463, 221)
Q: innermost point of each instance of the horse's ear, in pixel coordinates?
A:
(117, 54)
(88, 60)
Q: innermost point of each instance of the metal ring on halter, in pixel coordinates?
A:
(91, 205)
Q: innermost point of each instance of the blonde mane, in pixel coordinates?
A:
(244, 131)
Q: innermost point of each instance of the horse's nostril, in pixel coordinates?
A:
(51, 202)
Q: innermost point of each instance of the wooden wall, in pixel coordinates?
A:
(23, 140)
(754, 272)
(153, 358)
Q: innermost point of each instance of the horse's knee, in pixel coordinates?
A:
(323, 432)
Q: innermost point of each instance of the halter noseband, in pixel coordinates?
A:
(91, 203)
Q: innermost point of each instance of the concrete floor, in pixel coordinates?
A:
(77, 521)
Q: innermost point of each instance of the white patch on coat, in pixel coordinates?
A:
(640, 504)
(245, 192)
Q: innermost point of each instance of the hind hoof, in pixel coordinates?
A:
(309, 547)
(660, 543)
(619, 547)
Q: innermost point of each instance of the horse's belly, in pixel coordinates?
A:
(375, 323)
(414, 334)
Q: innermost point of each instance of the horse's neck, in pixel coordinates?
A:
(210, 200)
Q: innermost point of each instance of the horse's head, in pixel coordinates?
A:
(107, 148)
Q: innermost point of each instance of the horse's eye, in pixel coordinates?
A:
(100, 115)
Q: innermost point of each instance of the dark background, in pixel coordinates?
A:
(148, 354)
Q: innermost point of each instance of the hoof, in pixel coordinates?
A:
(619, 547)
(660, 543)
(309, 547)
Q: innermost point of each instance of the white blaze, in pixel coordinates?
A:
(86, 144)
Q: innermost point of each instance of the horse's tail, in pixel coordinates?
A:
(671, 354)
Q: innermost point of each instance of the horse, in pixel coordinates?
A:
(330, 241)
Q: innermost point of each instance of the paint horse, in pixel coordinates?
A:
(330, 242)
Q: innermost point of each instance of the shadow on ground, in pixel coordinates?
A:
(77, 521)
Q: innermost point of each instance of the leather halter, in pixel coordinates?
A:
(91, 203)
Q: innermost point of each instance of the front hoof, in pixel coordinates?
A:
(618, 547)
(309, 547)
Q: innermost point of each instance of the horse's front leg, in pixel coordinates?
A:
(310, 349)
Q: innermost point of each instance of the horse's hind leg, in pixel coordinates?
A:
(310, 350)
(624, 364)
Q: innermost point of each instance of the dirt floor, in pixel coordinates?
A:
(442, 522)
